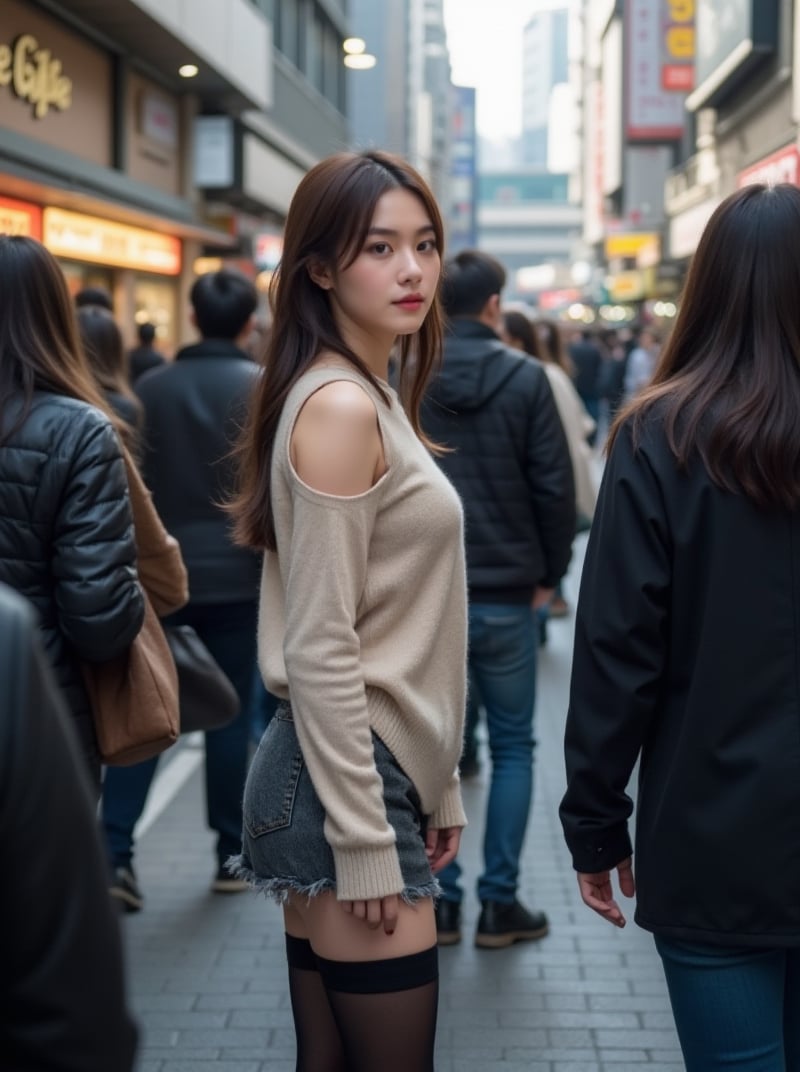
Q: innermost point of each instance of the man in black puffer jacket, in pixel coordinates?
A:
(193, 410)
(509, 461)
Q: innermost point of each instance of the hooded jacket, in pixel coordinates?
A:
(508, 459)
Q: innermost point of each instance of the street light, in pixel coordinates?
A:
(360, 62)
(356, 56)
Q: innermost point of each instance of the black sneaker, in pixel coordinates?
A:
(448, 922)
(501, 925)
(224, 882)
(125, 889)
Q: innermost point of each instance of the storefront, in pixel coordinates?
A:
(92, 164)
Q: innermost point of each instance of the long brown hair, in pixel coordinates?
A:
(518, 326)
(39, 345)
(328, 221)
(728, 379)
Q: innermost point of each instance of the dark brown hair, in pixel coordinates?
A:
(727, 382)
(327, 224)
(39, 345)
(519, 327)
(104, 350)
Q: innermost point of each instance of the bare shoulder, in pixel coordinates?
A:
(336, 443)
(340, 400)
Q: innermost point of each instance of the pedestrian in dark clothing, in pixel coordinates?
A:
(194, 408)
(62, 985)
(144, 357)
(510, 463)
(686, 649)
(587, 359)
(66, 541)
(94, 296)
(102, 345)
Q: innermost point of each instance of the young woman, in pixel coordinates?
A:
(66, 538)
(686, 650)
(578, 425)
(102, 344)
(352, 802)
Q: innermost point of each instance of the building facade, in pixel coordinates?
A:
(138, 136)
(544, 68)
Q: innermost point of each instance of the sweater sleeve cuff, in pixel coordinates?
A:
(364, 874)
(450, 811)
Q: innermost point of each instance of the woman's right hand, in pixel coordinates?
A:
(380, 910)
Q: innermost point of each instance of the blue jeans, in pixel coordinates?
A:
(229, 633)
(734, 1008)
(502, 665)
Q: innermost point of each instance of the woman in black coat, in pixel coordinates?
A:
(687, 651)
(66, 534)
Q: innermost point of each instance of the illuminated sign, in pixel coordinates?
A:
(677, 67)
(654, 113)
(20, 218)
(87, 238)
(629, 245)
(35, 75)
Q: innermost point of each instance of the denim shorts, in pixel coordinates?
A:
(284, 850)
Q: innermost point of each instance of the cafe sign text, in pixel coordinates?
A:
(34, 75)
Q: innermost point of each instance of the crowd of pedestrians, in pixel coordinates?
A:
(375, 499)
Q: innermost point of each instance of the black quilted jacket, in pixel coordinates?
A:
(66, 539)
(509, 463)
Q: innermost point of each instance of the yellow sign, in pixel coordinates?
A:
(626, 286)
(88, 238)
(628, 245)
(35, 75)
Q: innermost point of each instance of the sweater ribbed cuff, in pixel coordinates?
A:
(364, 874)
(450, 811)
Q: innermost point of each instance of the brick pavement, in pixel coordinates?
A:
(208, 976)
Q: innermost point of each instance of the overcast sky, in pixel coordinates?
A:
(485, 42)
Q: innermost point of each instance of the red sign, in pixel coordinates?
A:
(20, 218)
(782, 166)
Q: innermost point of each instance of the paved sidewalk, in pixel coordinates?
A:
(208, 975)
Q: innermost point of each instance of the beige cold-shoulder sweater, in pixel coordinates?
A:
(363, 627)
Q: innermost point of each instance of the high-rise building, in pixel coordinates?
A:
(402, 103)
(544, 67)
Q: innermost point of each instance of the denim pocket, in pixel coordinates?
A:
(273, 778)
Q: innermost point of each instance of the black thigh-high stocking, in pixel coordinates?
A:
(319, 1046)
(385, 1011)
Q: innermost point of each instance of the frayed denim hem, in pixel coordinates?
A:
(280, 889)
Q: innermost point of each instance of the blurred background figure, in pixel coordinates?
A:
(67, 540)
(543, 341)
(587, 360)
(94, 296)
(61, 987)
(641, 363)
(102, 345)
(144, 357)
(193, 409)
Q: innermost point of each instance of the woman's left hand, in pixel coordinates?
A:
(441, 846)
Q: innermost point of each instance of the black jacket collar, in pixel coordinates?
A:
(212, 348)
